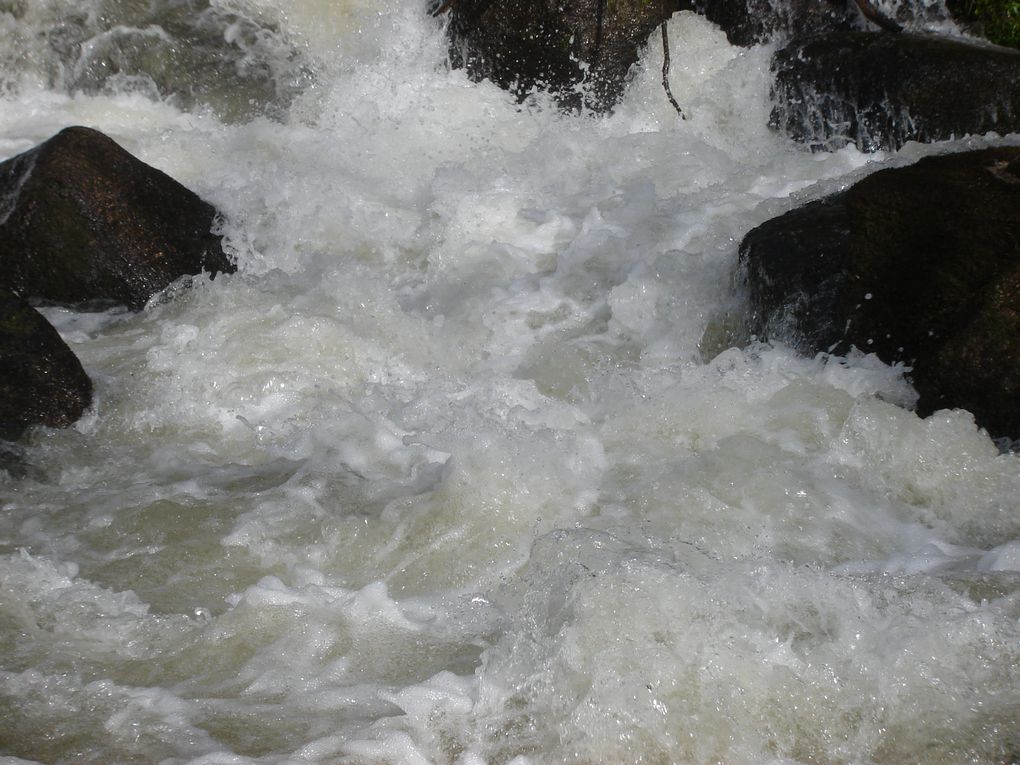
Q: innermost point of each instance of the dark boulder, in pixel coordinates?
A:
(41, 380)
(579, 50)
(919, 265)
(749, 22)
(879, 90)
(995, 20)
(82, 221)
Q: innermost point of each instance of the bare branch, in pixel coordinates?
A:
(875, 16)
(665, 72)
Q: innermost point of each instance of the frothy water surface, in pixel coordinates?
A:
(460, 466)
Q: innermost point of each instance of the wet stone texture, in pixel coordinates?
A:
(41, 380)
(555, 45)
(920, 265)
(749, 22)
(880, 90)
(82, 221)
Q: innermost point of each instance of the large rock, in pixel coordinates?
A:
(41, 380)
(82, 221)
(879, 90)
(554, 45)
(995, 20)
(749, 22)
(919, 265)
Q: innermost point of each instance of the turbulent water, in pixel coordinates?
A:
(460, 466)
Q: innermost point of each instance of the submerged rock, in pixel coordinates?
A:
(41, 380)
(555, 45)
(919, 265)
(83, 221)
(879, 90)
(193, 53)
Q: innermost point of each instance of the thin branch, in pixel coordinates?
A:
(875, 16)
(443, 8)
(665, 72)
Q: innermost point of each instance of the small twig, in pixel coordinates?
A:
(875, 16)
(665, 73)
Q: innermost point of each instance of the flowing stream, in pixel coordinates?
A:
(469, 462)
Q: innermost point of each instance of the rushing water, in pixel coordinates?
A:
(460, 466)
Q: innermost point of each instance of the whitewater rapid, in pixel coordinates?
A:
(470, 462)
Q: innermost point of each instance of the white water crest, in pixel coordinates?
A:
(468, 463)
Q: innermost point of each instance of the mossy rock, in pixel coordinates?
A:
(996, 20)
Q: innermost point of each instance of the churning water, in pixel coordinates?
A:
(461, 467)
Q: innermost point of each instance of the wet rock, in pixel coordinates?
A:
(555, 45)
(12, 460)
(82, 221)
(995, 20)
(879, 91)
(41, 380)
(919, 265)
(749, 22)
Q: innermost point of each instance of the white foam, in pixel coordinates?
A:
(450, 470)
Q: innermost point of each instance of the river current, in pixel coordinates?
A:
(470, 462)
